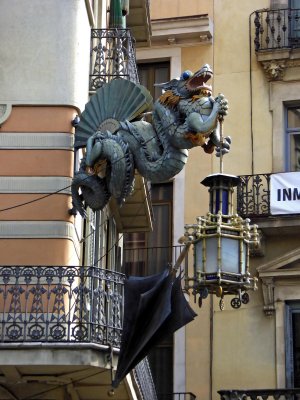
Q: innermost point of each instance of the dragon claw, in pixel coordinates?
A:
(225, 147)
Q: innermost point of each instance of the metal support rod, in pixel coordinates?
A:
(221, 144)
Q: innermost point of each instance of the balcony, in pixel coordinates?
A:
(60, 333)
(61, 304)
(138, 21)
(112, 56)
(253, 201)
(256, 394)
(61, 328)
(277, 29)
(253, 196)
(277, 40)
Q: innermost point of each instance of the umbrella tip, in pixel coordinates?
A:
(111, 392)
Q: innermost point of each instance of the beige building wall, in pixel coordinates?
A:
(43, 85)
(237, 348)
(178, 8)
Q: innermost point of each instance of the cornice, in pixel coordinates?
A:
(39, 230)
(36, 141)
(35, 184)
(191, 30)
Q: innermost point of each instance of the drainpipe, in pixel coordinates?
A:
(117, 12)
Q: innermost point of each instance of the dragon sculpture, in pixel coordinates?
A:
(118, 140)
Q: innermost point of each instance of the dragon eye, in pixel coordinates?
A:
(186, 75)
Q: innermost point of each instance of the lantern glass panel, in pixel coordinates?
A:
(211, 255)
(231, 256)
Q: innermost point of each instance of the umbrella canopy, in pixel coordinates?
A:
(154, 308)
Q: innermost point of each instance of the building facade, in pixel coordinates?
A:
(61, 311)
(253, 50)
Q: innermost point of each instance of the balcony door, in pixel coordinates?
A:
(293, 344)
(294, 6)
(150, 253)
(293, 138)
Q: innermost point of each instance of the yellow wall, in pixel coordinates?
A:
(242, 351)
(179, 8)
(232, 77)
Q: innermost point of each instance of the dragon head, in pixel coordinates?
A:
(195, 83)
(189, 85)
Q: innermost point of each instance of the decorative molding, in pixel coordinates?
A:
(43, 141)
(39, 230)
(282, 271)
(273, 267)
(292, 63)
(5, 110)
(259, 249)
(274, 70)
(182, 30)
(35, 184)
(268, 287)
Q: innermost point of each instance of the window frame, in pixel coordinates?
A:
(289, 132)
(292, 307)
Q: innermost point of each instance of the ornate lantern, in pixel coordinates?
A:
(221, 242)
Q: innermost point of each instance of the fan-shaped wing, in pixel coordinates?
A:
(117, 101)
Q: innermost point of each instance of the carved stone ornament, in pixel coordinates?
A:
(274, 70)
(268, 295)
(5, 110)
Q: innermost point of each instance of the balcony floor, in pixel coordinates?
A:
(75, 372)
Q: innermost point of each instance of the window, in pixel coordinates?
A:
(293, 139)
(101, 245)
(293, 344)
(150, 253)
(147, 254)
(294, 17)
(151, 73)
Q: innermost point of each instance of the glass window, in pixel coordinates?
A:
(294, 25)
(293, 139)
(149, 253)
(151, 73)
(295, 4)
(293, 344)
(101, 245)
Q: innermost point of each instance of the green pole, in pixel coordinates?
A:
(117, 12)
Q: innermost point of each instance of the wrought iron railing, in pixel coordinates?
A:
(258, 394)
(277, 29)
(61, 304)
(112, 56)
(143, 376)
(253, 195)
(178, 396)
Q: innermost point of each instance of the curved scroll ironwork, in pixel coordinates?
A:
(61, 304)
(253, 195)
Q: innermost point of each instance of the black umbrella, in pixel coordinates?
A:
(154, 308)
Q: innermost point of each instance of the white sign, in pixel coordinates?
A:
(285, 193)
